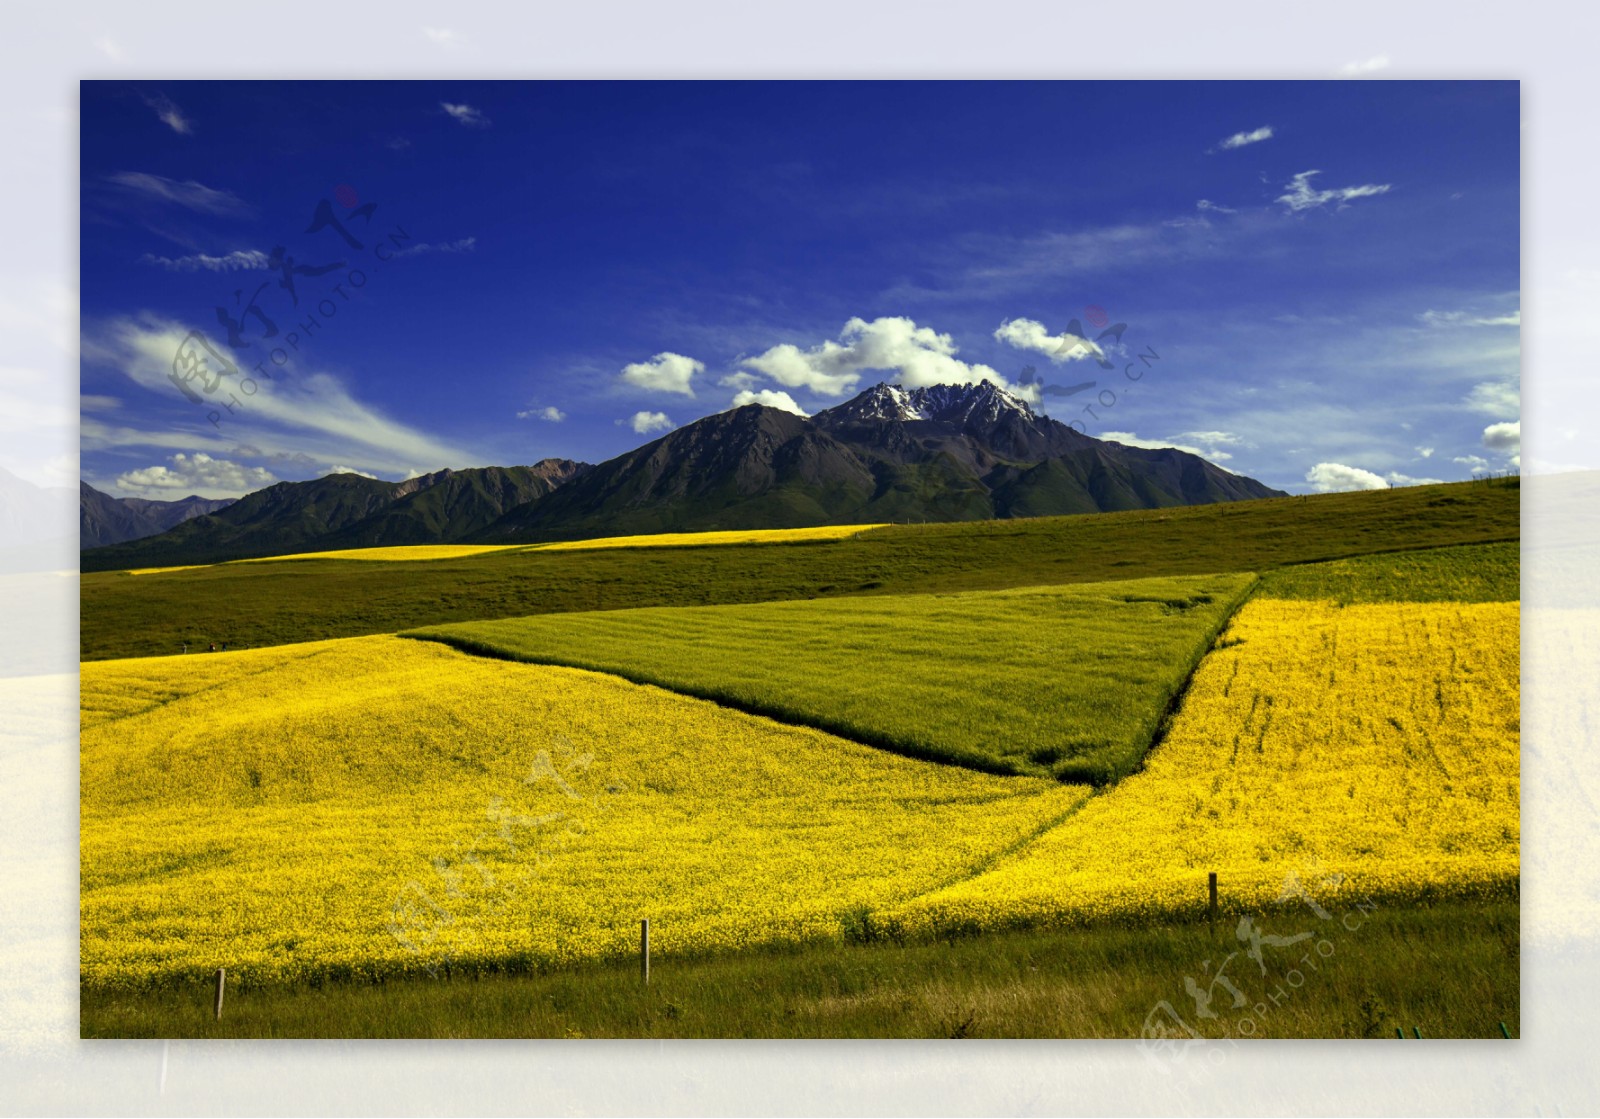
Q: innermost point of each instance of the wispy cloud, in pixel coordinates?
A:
(1205, 205)
(464, 245)
(1188, 442)
(1366, 66)
(549, 414)
(1298, 195)
(189, 194)
(240, 260)
(169, 113)
(307, 417)
(466, 114)
(1465, 318)
(1242, 139)
(444, 37)
(1495, 398)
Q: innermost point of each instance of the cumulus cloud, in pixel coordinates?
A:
(646, 422)
(188, 194)
(1328, 477)
(1406, 480)
(348, 470)
(240, 260)
(1240, 139)
(1505, 438)
(666, 372)
(918, 356)
(466, 114)
(169, 114)
(1027, 334)
(1298, 195)
(549, 414)
(1473, 462)
(1178, 443)
(196, 473)
(772, 398)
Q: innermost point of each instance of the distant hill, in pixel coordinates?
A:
(103, 519)
(944, 453)
(341, 511)
(35, 526)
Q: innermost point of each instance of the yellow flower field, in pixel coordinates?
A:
(1377, 744)
(697, 539)
(396, 553)
(376, 806)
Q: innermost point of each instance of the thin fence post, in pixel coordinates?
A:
(1211, 909)
(221, 981)
(644, 951)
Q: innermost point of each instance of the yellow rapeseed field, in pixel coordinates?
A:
(1374, 747)
(376, 806)
(396, 553)
(696, 539)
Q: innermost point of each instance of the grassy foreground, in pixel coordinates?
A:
(267, 603)
(1450, 970)
(1067, 681)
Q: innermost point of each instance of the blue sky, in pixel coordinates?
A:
(1328, 271)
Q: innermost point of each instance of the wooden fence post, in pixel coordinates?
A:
(644, 951)
(221, 980)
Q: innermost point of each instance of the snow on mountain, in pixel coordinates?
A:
(983, 403)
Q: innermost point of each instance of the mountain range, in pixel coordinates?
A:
(103, 519)
(939, 453)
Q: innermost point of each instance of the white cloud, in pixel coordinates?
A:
(1495, 398)
(189, 194)
(918, 356)
(348, 470)
(1129, 439)
(772, 398)
(240, 260)
(1329, 477)
(466, 114)
(1463, 318)
(169, 113)
(1367, 66)
(646, 422)
(196, 473)
(666, 372)
(444, 37)
(1208, 206)
(1505, 438)
(1472, 461)
(309, 414)
(1299, 195)
(1240, 139)
(1424, 452)
(1028, 334)
(550, 414)
(1406, 480)
(89, 402)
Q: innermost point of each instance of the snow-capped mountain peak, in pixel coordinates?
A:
(983, 403)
